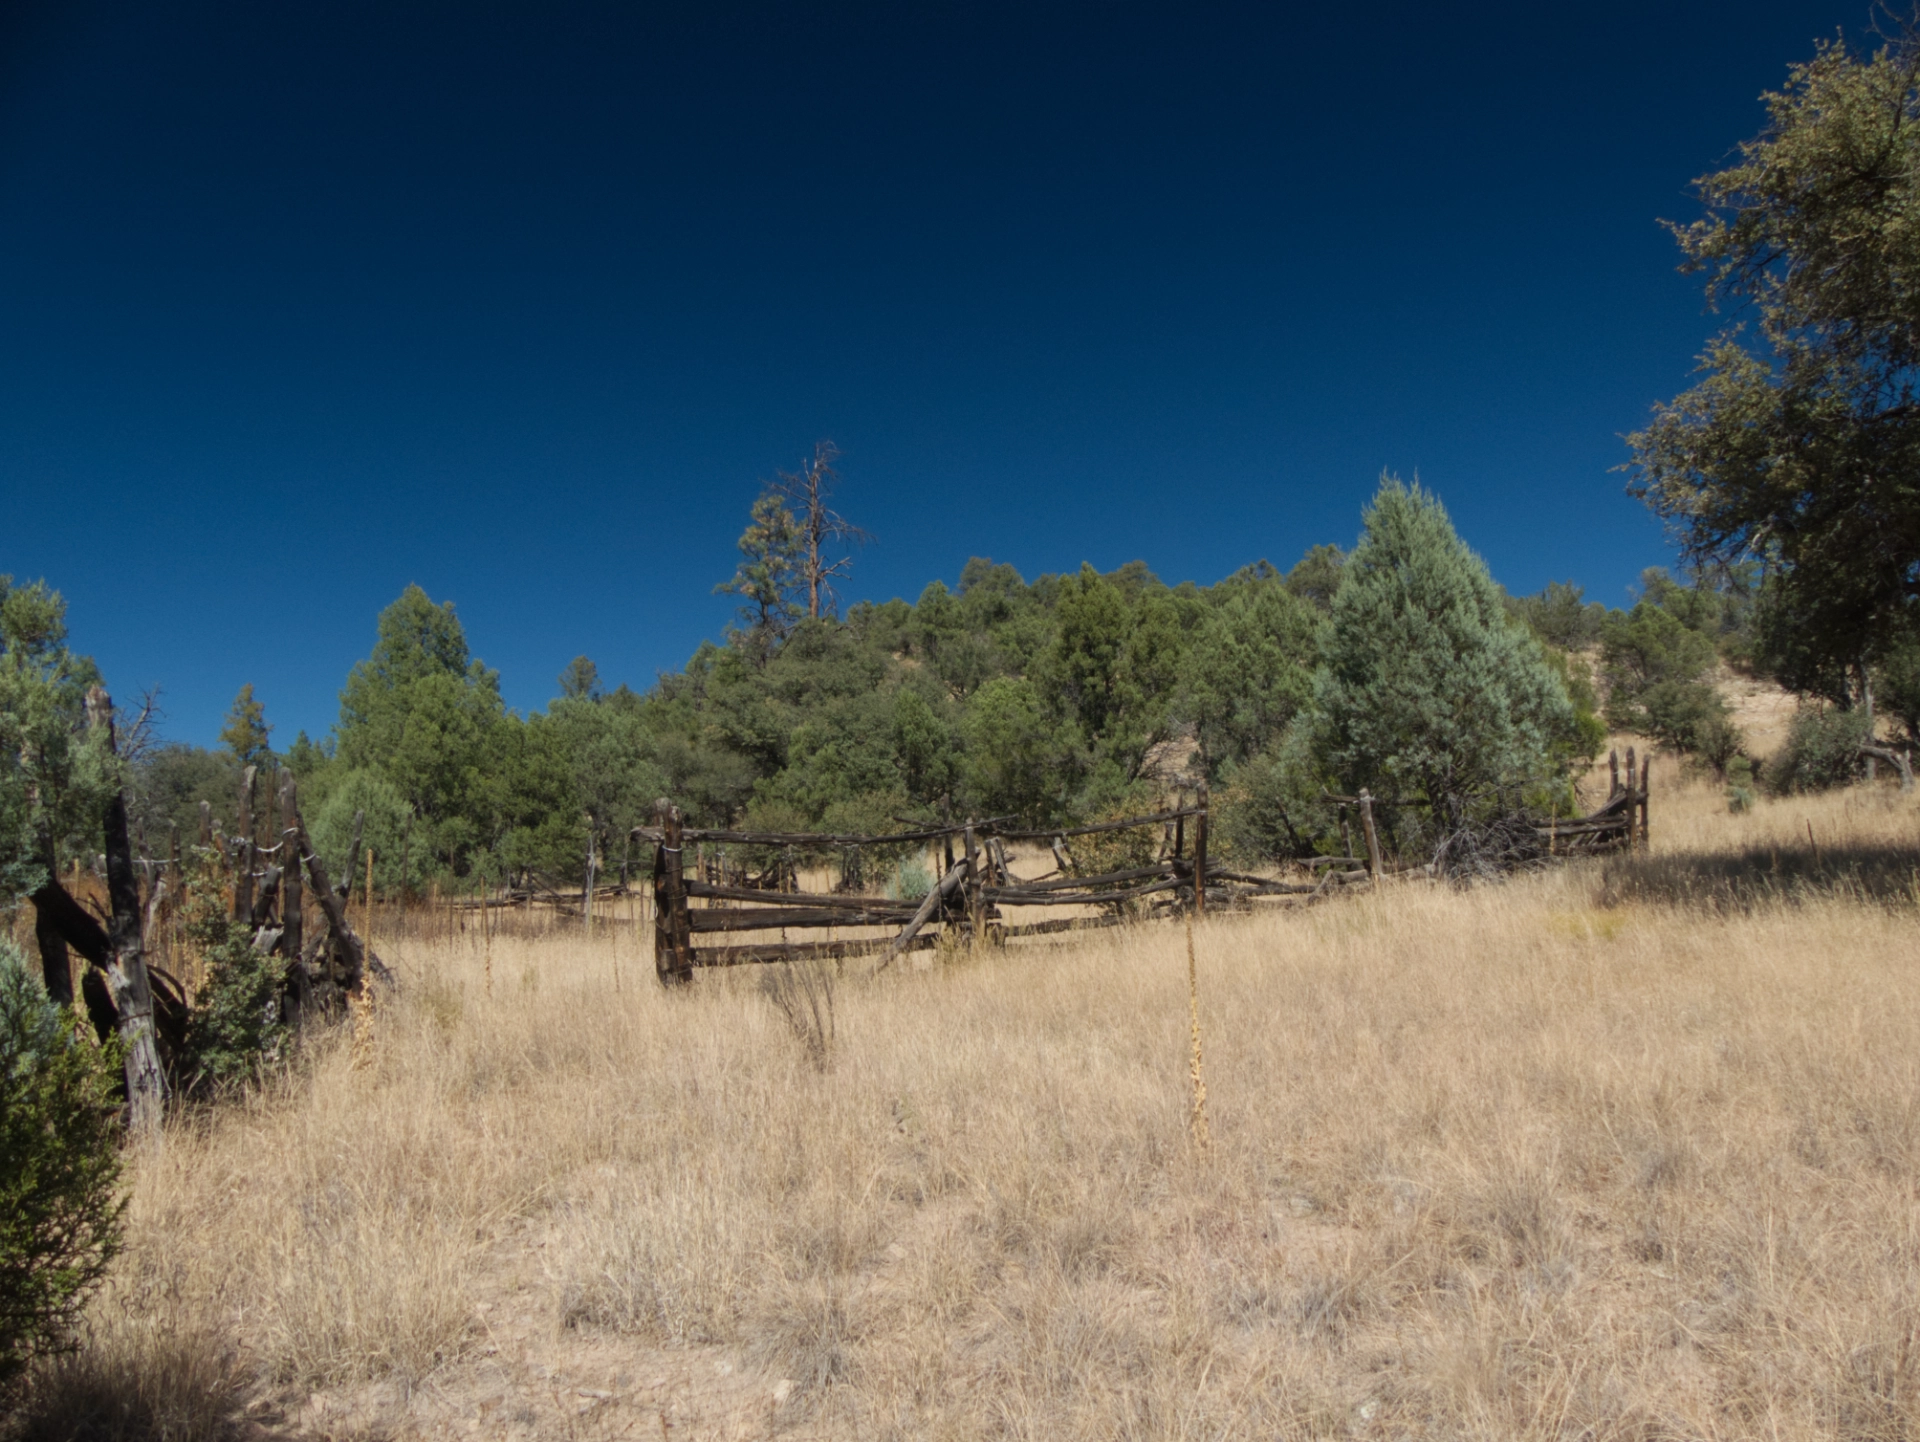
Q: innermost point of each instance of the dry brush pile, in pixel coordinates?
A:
(1568, 1157)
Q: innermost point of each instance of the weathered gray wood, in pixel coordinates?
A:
(1200, 854)
(245, 852)
(948, 884)
(793, 898)
(1373, 838)
(754, 918)
(795, 838)
(1110, 878)
(804, 950)
(292, 902)
(1069, 923)
(672, 945)
(1016, 896)
(332, 903)
(127, 972)
(1898, 759)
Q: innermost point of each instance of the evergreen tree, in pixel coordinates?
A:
(422, 714)
(768, 578)
(1427, 689)
(246, 732)
(1249, 671)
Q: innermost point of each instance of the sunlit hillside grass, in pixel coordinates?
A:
(1627, 1149)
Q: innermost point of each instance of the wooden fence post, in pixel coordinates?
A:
(292, 901)
(976, 893)
(1613, 768)
(672, 935)
(244, 855)
(1200, 855)
(1633, 792)
(127, 969)
(1373, 839)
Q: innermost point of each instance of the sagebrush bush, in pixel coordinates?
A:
(60, 1207)
(1822, 751)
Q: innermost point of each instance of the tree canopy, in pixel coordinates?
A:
(1800, 444)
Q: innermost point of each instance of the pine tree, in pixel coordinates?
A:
(246, 732)
(1427, 690)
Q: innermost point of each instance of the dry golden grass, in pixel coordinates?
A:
(1629, 1149)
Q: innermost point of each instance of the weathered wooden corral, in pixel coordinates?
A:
(974, 896)
(1618, 825)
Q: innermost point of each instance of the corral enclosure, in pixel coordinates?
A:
(1627, 1148)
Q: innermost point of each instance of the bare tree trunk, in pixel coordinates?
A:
(127, 969)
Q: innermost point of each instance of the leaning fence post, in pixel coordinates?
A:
(1373, 839)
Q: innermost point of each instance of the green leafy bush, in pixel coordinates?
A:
(1822, 751)
(59, 1167)
(236, 1025)
(1740, 797)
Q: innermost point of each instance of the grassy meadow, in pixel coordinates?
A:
(1626, 1149)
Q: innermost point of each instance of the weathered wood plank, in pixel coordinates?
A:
(754, 918)
(805, 950)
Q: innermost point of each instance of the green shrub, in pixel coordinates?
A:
(1822, 751)
(236, 1025)
(1740, 795)
(59, 1167)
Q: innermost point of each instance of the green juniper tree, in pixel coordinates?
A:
(1800, 445)
(1427, 690)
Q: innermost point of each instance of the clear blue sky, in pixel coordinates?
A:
(301, 302)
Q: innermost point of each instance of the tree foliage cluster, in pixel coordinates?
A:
(1048, 700)
(1795, 458)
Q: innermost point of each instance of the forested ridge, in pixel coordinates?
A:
(993, 696)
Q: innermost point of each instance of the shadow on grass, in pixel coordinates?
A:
(1760, 876)
(168, 1390)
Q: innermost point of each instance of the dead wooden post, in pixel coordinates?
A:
(1346, 834)
(292, 929)
(369, 938)
(976, 893)
(935, 895)
(1613, 768)
(1633, 791)
(1646, 840)
(672, 934)
(1373, 839)
(359, 957)
(127, 970)
(586, 893)
(486, 941)
(244, 849)
(1200, 855)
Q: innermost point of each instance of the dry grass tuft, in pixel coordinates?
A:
(1624, 1150)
